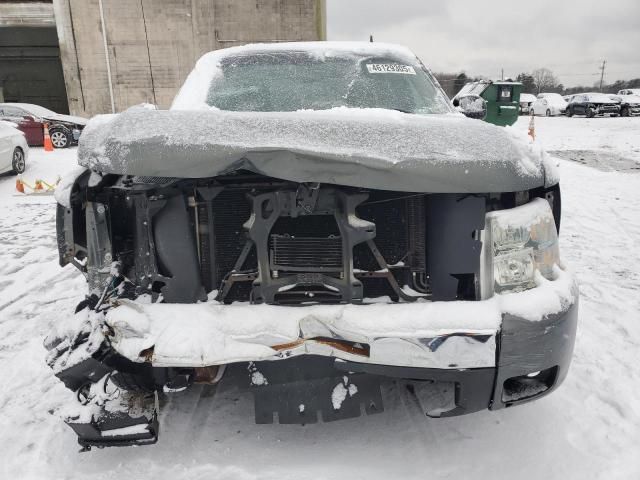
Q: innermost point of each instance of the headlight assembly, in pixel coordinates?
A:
(516, 243)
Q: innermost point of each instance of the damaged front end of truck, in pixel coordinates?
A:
(320, 253)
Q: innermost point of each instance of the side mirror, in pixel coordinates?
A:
(473, 106)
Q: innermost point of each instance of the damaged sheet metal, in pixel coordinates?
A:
(459, 334)
(370, 148)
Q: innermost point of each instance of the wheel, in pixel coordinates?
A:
(18, 163)
(591, 112)
(60, 138)
(533, 113)
(625, 112)
(548, 113)
(569, 112)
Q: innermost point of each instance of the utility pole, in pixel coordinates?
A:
(502, 74)
(604, 62)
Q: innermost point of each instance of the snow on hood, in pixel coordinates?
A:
(630, 99)
(371, 148)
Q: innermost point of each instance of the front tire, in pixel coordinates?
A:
(18, 163)
(591, 112)
(569, 112)
(60, 138)
(624, 112)
(548, 113)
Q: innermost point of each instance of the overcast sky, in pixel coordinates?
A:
(481, 37)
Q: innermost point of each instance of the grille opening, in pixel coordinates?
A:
(307, 294)
(528, 386)
(307, 226)
(309, 243)
(305, 254)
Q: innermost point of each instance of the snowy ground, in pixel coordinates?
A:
(588, 429)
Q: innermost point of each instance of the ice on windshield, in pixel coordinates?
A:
(473, 88)
(291, 81)
(306, 78)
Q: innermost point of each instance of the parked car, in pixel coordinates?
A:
(629, 104)
(548, 105)
(13, 149)
(629, 91)
(592, 104)
(65, 130)
(526, 100)
(317, 217)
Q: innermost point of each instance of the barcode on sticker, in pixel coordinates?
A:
(390, 68)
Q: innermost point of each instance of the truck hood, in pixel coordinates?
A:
(370, 148)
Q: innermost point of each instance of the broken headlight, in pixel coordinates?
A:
(517, 243)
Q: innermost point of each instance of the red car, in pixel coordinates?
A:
(65, 130)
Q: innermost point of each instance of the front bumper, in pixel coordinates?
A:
(607, 109)
(499, 352)
(634, 110)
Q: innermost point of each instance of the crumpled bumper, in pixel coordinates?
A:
(514, 332)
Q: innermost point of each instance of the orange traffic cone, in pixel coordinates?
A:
(532, 128)
(38, 185)
(19, 185)
(48, 146)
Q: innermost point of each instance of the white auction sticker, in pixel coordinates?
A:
(390, 68)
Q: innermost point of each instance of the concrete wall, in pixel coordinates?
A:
(153, 44)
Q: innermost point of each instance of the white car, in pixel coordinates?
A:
(629, 91)
(526, 100)
(549, 104)
(13, 149)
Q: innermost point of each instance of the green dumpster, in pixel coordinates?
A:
(501, 101)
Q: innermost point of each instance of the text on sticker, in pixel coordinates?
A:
(390, 68)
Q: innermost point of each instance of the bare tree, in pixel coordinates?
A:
(545, 80)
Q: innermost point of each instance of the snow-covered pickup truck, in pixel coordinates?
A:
(317, 216)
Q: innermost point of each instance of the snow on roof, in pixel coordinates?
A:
(598, 97)
(31, 108)
(318, 49)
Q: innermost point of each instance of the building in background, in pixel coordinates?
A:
(30, 67)
(112, 54)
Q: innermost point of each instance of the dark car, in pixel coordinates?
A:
(629, 104)
(64, 130)
(592, 104)
(313, 221)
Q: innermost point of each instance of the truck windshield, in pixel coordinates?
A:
(290, 81)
